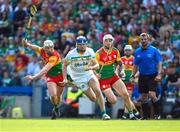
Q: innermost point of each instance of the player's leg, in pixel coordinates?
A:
(52, 88)
(130, 88)
(59, 91)
(121, 90)
(94, 84)
(90, 94)
(135, 111)
(126, 111)
(110, 95)
(55, 94)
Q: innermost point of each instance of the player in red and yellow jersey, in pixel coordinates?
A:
(52, 71)
(127, 61)
(110, 64)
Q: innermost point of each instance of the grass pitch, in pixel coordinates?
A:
(88, 125)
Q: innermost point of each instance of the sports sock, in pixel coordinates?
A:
(145, 109)
(103, 112)
(156, 107)
(131, 114)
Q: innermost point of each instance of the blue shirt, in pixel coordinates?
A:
(147, 60)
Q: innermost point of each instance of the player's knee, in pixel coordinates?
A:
(53, 94)
(113, 100)
(125, 96)
(93, 98)
(98, 92)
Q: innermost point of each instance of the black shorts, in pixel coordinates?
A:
(147, 83)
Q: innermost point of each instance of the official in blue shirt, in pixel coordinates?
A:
(148, 61)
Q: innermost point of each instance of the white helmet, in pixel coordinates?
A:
(128, 47)
(108, 36)
(48, 43)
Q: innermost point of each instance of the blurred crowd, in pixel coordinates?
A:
(63, 20)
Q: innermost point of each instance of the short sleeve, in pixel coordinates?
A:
(39, 50)
(158, 56)
(118, 56)
(135, 62)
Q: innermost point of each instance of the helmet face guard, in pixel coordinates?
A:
(108, 37)
(108, 41)
(81, 40)
(48, 43)
(81, 43)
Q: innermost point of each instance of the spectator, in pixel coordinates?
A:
(33, 67)
(165, 27)
(5, 25)
(69, 108)
(173, 77)
(6, 79)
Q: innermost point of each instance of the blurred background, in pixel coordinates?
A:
(62, 21)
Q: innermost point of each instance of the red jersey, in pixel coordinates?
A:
(107, 61)
(54, 59)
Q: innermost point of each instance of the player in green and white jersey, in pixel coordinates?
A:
(81, 62)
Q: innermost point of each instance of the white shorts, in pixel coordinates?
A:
(83, 82)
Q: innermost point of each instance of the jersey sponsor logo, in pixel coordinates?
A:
(81, 64)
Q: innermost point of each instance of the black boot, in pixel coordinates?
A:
(55, 113)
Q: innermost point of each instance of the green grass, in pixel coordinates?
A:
(87, 125)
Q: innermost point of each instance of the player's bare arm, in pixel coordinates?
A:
(120, 69)
(42, 72)
(51, 62)
(30, 45)
(93, 65)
